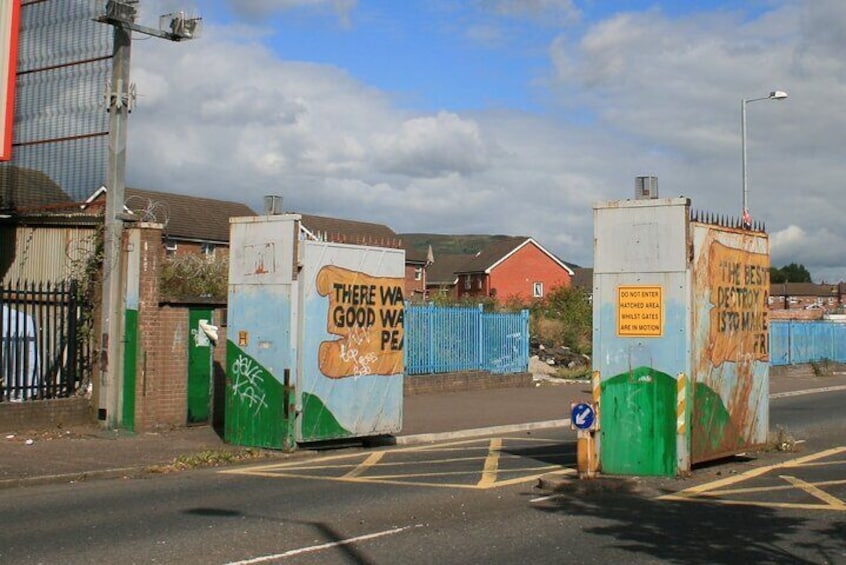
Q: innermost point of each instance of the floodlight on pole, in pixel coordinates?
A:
(774, 95)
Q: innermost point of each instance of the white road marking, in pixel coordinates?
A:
(313, 548)
(807, 391)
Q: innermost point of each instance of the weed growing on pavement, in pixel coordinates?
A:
(208, 458)
(781, 440)
(822, 367)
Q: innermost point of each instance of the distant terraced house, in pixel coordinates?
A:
(509, 268)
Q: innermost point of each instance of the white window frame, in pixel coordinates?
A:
(537, 290)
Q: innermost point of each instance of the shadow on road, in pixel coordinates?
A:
(695, 532)
(326, 532)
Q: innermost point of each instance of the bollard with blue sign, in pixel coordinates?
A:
(583, 417)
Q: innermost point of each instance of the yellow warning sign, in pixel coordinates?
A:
(640, 311)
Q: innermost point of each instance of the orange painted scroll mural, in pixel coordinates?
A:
(367, 314)
(739, 283)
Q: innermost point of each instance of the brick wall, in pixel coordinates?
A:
(45, 414)
(161, 391)
(467, 380)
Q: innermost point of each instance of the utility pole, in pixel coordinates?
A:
(120, 99)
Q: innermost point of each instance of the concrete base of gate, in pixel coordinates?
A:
(466, 380)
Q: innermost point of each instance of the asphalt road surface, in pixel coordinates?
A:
(463, 501)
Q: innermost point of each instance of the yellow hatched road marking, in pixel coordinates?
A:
(752, 490)
(359, 467)
(491, 463)
(372, 460)
(710, 491)
(798, 462)
(815, 492)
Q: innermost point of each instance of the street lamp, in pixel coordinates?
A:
(774, 95)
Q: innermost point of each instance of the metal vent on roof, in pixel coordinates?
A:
(646, 188)
(272, 205)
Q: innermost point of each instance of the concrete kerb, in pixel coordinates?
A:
(77, 477)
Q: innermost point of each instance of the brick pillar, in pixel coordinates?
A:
(159, 392)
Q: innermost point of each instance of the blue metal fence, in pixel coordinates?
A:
(443, 339)
(793, 342)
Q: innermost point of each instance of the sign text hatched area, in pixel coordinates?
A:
(640, 311)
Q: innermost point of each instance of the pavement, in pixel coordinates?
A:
(84, 453)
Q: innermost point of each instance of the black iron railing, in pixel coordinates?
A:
(45, 345)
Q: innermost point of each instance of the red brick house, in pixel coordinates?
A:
(806, 301)
(514, 268)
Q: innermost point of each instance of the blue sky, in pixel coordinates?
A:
(502, 116)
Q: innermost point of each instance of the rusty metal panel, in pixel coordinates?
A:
(641, 346)
(352, 339)
(730, 348)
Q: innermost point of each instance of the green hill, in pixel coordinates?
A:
(450, 244)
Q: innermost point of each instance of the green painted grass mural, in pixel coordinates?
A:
(714, 431)
(318, 421)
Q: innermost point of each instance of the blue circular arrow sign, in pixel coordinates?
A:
(583, 416)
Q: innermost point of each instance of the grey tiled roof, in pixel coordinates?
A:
(22, 188)
(351, 231)
(186, 217)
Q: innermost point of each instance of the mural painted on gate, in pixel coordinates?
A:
(739, 288)
(731, 348)
(366, 313)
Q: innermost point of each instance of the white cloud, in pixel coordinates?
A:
(637, 93)
(547, 11)
(432, 146)
(257, 9)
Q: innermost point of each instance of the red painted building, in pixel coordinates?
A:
(514, 268)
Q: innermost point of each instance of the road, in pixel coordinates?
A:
(464, 501)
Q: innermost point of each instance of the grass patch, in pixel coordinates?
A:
(208, 458)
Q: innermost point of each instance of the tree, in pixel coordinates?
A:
(790, 273)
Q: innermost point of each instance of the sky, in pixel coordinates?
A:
(503, 116)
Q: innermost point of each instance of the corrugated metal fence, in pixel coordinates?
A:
(793, 342)
(444, 339)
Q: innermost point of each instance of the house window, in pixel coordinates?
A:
(207, 249)
(467, 279)
(170, 248)
(418, 274)
(479, 282)
(537, 290)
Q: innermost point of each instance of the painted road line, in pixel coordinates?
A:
(491, 463)
(329, 545)
(710, 491)
(769, 488)
(807, 391)
(815, 492)
(751, 474)
(372, 460)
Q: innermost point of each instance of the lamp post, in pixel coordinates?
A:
(774, 95)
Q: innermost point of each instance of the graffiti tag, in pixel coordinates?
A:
(249, 380)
